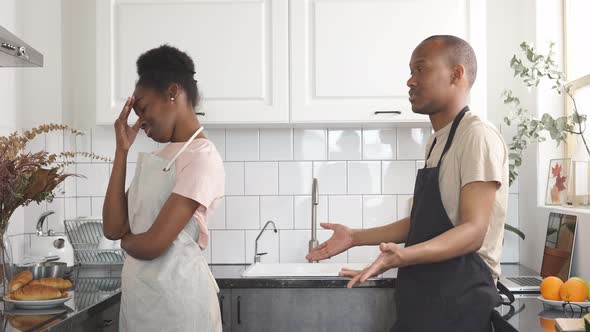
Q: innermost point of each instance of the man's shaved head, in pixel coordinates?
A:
(459, 53)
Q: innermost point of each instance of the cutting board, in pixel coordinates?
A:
(569, 324)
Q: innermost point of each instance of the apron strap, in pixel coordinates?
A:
(505, 291)
(452, 132)
(167, 168)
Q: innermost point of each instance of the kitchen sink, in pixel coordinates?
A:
(267, 270)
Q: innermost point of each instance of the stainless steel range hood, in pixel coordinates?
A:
(15, 53)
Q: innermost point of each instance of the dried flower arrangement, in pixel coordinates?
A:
(27, 177)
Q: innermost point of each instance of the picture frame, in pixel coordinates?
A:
(558, 181)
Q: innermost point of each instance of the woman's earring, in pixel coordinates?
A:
(172, 99)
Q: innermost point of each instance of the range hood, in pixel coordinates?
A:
(16, 53)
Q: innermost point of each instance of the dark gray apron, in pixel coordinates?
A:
(454, 295)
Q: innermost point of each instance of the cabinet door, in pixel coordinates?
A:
(349, 58)
(225, 308)
(327, 309)
(240, 49)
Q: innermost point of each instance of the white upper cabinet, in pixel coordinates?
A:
(240, 49)
(350, 58)
(281, 61)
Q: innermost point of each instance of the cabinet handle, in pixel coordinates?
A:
(388, 112)
(105, 323)
(221, 308)
(239, 313)
(200, 113)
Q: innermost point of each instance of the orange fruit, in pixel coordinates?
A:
(573, 290)
(550, 288)
(547, 324)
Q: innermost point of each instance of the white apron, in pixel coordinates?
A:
(176, 291)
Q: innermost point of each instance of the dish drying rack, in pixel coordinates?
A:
(85, 235)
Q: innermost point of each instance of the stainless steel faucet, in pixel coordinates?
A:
(315, 201)
(41, 220)
(256, 254)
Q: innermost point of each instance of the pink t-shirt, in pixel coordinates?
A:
(199, 176)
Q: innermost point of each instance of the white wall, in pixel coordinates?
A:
(8, 111)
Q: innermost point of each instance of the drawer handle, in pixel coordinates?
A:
(239, 313)
(200, 113)
(221, 308)
(388, 112)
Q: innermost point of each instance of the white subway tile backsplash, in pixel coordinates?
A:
(379, 210)
(242, 212)
(267, 243)
(364, 254)
(84, 207)
(234, 178)
(70, 207)
(95, 181)
(398, 177)
(83, 143)
(302, 208)
(404, 206)
(97, 203)
(279, 209)
(295, 178)
(103, 141)
(56, 220)
(241, 144)
(262, 178)
(310, 144)
(276, 144)
(216, 220)
(364, 177)
(346, 210)
(54, 141)
(344, 144)
(31, 215)
(36, 144)
(379, 144)
(411, 142)
(331, 176)
(228, 247)
(217, 136)
(293, 246)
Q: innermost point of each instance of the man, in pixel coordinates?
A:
(453, 238)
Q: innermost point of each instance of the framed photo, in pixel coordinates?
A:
(558, 181)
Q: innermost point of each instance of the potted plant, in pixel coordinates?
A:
(27, 177)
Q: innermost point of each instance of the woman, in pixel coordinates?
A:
(161, 220)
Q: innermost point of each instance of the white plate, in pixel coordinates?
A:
(558, 304)
(39, 304)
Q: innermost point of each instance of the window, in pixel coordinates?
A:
(577, 68)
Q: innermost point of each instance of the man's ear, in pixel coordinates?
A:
(458, 73)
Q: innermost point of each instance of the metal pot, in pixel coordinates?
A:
(44, 270)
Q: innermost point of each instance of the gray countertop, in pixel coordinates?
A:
(98, 288)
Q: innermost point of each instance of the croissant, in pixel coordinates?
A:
(36, 292)
(20, 280)
(59, 283)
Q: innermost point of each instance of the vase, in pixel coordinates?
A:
(5, 263)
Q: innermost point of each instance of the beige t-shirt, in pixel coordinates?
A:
(477, 153)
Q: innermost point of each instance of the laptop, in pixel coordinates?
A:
(557, 254)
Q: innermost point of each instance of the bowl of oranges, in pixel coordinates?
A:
(555, 292)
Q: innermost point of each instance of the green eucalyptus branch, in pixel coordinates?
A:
(529, 130)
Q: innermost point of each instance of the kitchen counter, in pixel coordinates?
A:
(95, 289)
(98, 288)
